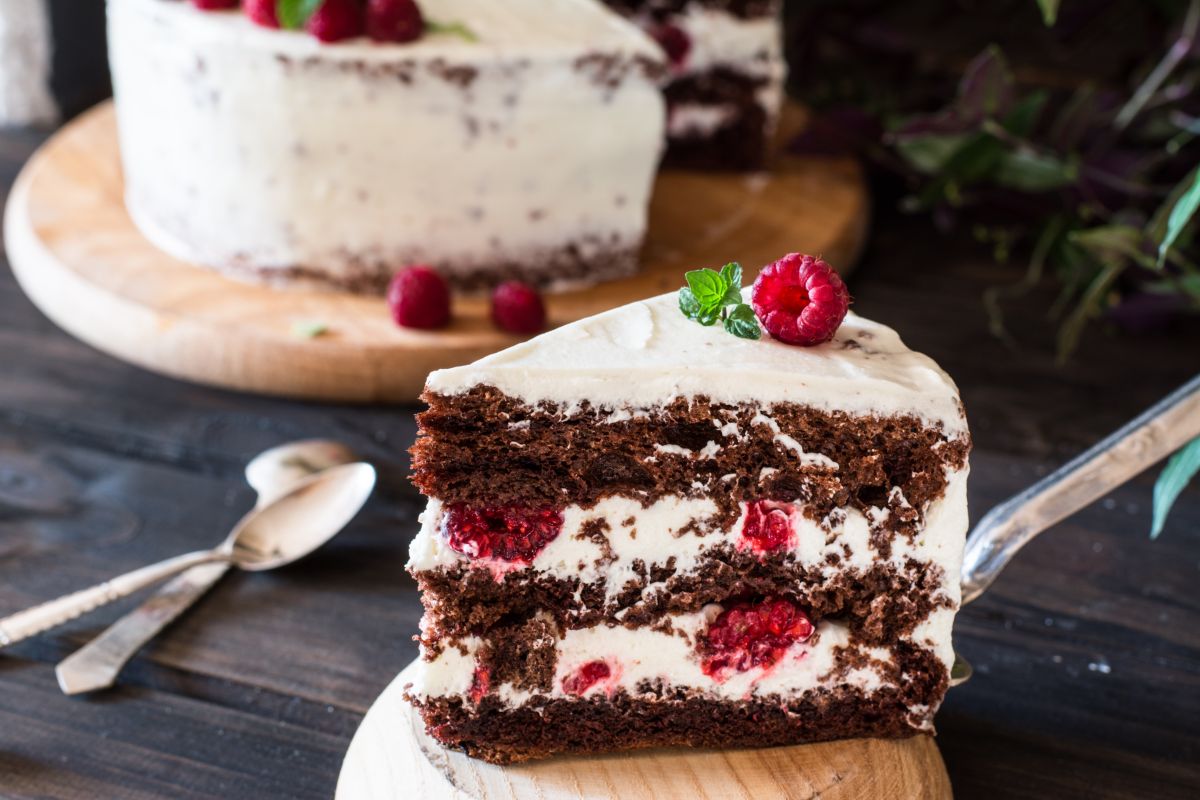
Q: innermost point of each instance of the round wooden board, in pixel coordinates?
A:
(392, 758)
(78, 256)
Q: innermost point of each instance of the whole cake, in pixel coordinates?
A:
(511, 140)
(726, 81)
(645, 531)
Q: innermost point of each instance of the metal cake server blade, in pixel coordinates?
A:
(995, 540)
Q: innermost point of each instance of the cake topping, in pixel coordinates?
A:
(507, 533)
(215, 5)
(419, 298)
(261, 12)
(394, 20)
(517, 307)
(768, 526)
(712, 296)
(335, 20)
(587, 676)
(800, 300)
(749, 635)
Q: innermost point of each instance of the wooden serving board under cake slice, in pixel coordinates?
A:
(80, 258)
(392, 758)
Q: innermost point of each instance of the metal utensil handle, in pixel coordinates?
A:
(1008, 527)
(97, 664)
(49, 615)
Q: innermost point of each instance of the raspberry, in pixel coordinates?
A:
(509, 533)
(419, 298)
(394, 20)
(481, 684)
(767, 526)
(584, 678)
(335, 20)
(674, 41)
(261, 12)
(748, 635)
(518, 307)
(214, 5)
(800, 300)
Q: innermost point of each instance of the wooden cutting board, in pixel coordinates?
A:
(78, 256)
(392, 758)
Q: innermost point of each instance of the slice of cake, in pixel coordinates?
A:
(726, 77)
(508, 140)
(646, 531)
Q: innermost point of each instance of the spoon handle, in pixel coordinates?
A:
(1158, 432)
(49, 615)
(97, 665)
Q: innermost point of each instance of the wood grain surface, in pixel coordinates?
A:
(79, 257)
(392, 758)
(1087, 649)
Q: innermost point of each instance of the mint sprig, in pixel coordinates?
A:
(294, 14)
(711, 297)
(451, 28)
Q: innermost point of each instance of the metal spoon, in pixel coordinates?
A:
(1155, 434)
(271, 474)
(283, 531)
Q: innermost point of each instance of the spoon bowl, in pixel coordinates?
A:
(301, 520)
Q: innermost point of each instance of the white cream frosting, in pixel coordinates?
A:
(752, 46)
(644, 654)
(658, 532)
(646, 354)
(267, 149)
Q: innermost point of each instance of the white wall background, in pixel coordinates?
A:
(25, 59)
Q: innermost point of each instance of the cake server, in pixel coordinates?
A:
(283, 531)
(271, 474)
(994, 541)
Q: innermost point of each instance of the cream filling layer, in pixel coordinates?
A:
(637, 656)
(667, 529)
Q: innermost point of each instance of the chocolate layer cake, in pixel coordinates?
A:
(646, 532)
(514, 140)
(726, 77)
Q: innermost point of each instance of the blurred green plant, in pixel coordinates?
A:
(1180, 469)
(1097, 183)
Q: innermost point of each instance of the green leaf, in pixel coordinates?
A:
(1049, 10)
(732, 273)
(1182, 467)
(929, 153)
(1022, 119)
(452, 29)
(742, 323)
(709, 287)
(688, 303)
(1181, 214)
(1113, 242)
(709, 317)
(1028, 171)
(293, 14)
(309, 329)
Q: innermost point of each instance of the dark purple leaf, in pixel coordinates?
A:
(986, 90)
(1145, 312)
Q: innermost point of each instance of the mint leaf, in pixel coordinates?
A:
(452, 29)
(1182, 467)
(742, 323)
(1181, 214)
(309, 330)
(688, 303)
(293, 14)
(709, 288)
(707, 318)
(732, 273)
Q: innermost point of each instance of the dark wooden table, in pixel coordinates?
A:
(1087, 651)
